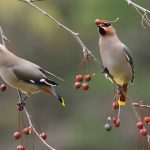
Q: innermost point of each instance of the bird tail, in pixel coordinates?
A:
(52, 92)
(123, 95)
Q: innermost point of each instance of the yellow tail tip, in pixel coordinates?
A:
(121, 103)
(63, 102)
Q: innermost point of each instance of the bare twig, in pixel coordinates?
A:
(140, 105)
(85, 50)
(144, 13)
(3, 37)
(34, 130)
(137, 6)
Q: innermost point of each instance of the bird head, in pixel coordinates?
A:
(105, 27)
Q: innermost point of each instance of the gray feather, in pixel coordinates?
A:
(49, 73)
(129, 58)
(32, 75)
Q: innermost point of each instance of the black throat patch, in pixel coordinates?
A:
(102, 31)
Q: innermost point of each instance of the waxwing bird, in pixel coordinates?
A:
(26, 76)
(116, 58)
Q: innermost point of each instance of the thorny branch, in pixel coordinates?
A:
(144, 13)
(85, 50)
(4, 38)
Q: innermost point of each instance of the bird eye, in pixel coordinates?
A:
(107, 24)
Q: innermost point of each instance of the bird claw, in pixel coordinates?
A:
(21, 105)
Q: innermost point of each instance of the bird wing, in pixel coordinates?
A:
(49, 73)
(129, 59)
(32, 75)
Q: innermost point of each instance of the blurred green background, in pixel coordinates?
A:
(80, 125)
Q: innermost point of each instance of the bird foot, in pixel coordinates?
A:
(20, 105)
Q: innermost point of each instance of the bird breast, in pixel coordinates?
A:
(115, 61)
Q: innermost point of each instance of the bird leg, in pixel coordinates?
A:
(115, 92)
(121, 93)
(121, 90)
(21, 102)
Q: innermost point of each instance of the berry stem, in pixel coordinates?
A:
(19, 121)
(22, 119)
(38, 126)
(119, 112)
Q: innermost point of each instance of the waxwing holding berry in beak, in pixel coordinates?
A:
(26, 76)
(116, 58)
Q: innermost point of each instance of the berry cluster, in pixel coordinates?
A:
(79, 79)
(113, 120)
(83, 68)
(26, 131)
(142, 126)
(18, 135)
(141, 111)
(23, 132)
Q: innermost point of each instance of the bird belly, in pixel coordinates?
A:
(118, 68)
(11, 80)
(26, 87)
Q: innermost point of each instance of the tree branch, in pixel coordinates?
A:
(140, 105)
(85, 50)
(3, 37)
(139, 9)
(34, 130)
(137, 6)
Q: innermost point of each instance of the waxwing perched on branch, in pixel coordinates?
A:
(26, 76)
(116, 58)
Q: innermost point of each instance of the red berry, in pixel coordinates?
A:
(143, 132)
(114, 120)
(43, 136)
(26, 131)
(79, 78)
(77, 85)
(87, 77)
(139, 125)
(147, 120)
(115, 105)
(3, 87)
(97, 21)
(117, 124)
(20, 147)
(85, 86)
(17, 135)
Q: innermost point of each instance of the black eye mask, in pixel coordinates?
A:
(107, 24)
